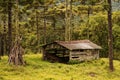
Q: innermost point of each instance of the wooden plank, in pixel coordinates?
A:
(83, 56)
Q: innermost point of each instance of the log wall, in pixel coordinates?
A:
(84, 55)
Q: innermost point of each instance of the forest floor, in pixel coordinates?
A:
(36, 69)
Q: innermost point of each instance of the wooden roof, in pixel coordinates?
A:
(76, 45)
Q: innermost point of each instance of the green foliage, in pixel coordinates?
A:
(37, 69)
(95, 29)
(106, 6)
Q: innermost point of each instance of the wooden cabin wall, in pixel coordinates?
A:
(95, 54)
(84, 55)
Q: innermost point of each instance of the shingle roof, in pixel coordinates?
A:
(80, 44)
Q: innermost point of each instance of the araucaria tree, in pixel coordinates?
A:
(16, 51)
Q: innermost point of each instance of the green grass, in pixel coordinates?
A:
(36, 69)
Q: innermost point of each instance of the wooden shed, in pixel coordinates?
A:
(63, 51)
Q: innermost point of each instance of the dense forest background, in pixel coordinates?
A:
(43, 21)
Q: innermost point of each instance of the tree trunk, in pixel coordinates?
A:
(5, 36)
(37, 30)
(44, 25)
(110, 36)
(9, 25)
(17, 18)
(2, 50)
(71, 15)
(16, 54)
(67, 22)
(0, 46)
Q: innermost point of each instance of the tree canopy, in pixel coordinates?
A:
(40, 19)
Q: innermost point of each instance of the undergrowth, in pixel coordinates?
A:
(37, 69)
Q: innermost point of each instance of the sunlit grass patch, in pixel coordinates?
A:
(37, 69)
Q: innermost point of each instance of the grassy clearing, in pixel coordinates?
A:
(36, 69)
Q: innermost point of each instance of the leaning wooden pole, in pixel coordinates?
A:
(110, 36)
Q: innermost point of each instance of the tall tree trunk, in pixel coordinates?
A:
(4, 35)
(44, 25)
(71, 15)
(16, 52)
(17, 18)
(10, 24)
(67, 22)
(0, 46)
(37, 30)
(110, 36)
(87, 25)
(54, 23)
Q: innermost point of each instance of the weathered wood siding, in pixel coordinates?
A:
(84, 55)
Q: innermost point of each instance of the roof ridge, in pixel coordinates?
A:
(75, 41)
